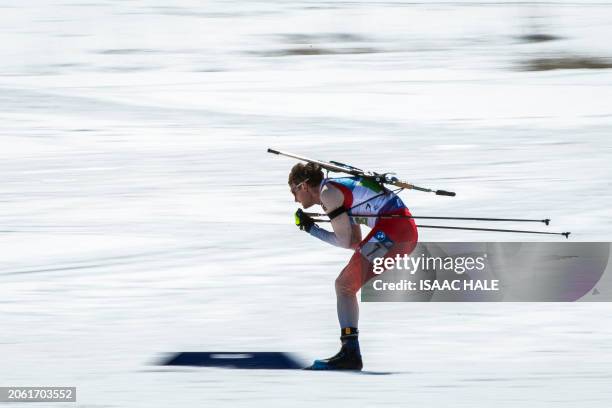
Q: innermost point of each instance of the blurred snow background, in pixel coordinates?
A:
(141, 213)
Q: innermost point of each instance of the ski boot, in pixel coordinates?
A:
(349, 356)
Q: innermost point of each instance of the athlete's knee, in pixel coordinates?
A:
(344, 288)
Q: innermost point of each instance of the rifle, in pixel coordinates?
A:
(380, 178)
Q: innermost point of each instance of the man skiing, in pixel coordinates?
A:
(350, 201)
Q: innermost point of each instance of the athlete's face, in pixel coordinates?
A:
(302, 193)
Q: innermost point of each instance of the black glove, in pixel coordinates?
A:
(303, 221)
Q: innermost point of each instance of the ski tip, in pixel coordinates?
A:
(273, 151)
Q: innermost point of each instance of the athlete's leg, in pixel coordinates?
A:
(360, 269)
(347, 285)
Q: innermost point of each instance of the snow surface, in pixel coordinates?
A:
(141, 213)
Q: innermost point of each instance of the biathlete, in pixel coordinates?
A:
(346, 201)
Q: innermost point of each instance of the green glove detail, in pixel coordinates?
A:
(303, 221)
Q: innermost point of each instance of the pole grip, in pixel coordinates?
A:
(445, 193)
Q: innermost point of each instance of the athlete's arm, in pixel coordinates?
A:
(343, 234)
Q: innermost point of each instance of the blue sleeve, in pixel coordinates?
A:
(324, 235)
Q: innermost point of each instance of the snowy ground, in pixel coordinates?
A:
(141, 214)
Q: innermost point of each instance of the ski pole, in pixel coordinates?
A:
(565, 234)
(545, 221)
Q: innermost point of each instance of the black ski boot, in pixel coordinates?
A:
(349, 356)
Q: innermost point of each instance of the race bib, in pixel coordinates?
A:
(376, 247)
